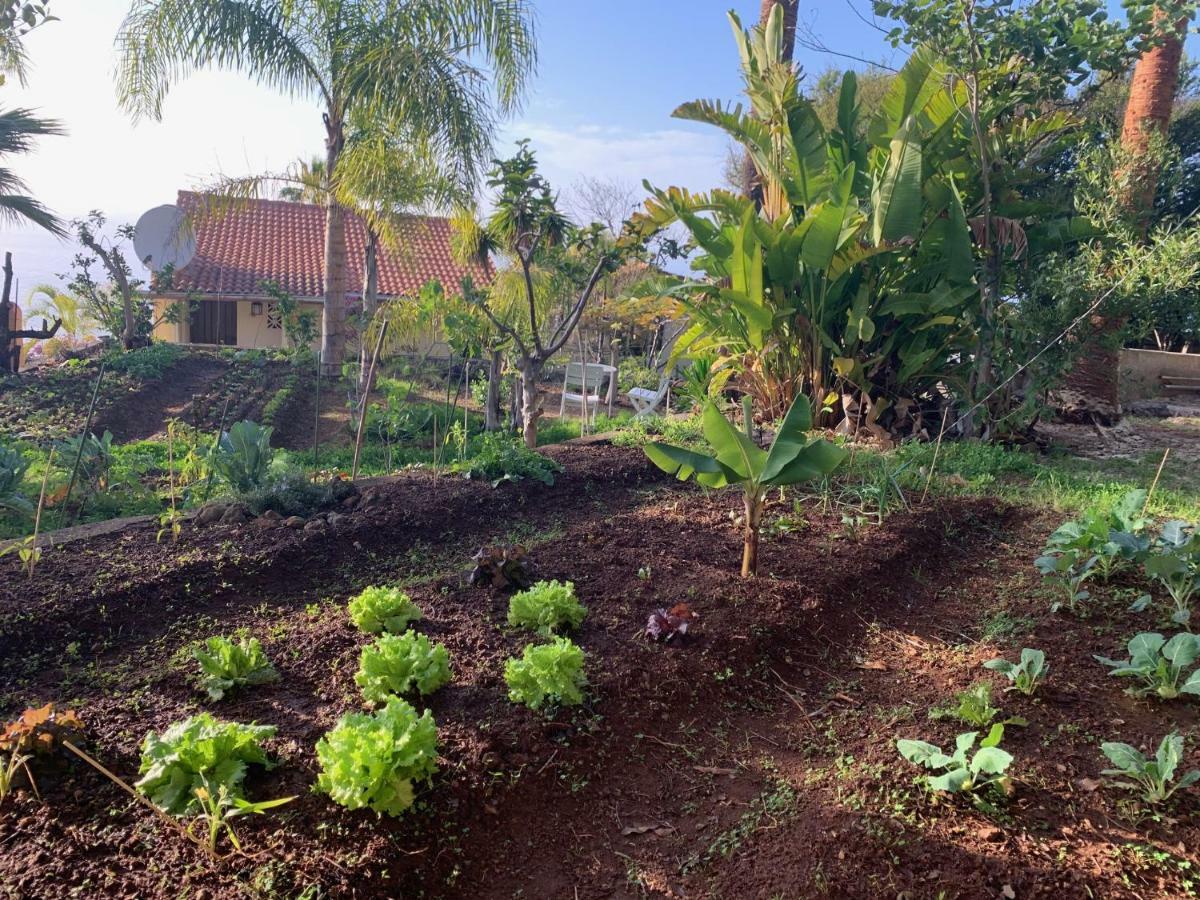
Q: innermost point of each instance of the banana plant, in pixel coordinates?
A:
(793, 457)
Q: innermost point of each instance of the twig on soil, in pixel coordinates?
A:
(937, 448)
(1154, 483)
(783, 690)
(546, 764)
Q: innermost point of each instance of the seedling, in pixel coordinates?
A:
(1150, 776)
(667, 624)
(1026, 676)
(985, 768)
(972, 706)
(217, 810)
(1176, 565)
(1159, 664)
(1069, 571)
(502, 567)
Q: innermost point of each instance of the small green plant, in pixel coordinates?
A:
(17, 762)
(225, 665)
(1114, 538)
(1152, 777)
(398, 663)
(1176, 565)
(242, 457)
(546, 607)
(379, 609)
(547, 673)
(500, 458)
(986, 767)
(972, 706)
(1027, 675)
(373, 760)
(200, 752)
(218, 808)
(1159, 665)
(13, 466)
(1068, 570)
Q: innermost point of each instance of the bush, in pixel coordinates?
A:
(199, 752)
(546, 607)
(372, 760)
(292, 494)
(144, 363)
(501, 458)
(243, 456)
(547, 672)
(226, 665)
(13, 466)
(398, 663)
(633, 373)
(379, 609)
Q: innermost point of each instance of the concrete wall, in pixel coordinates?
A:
(1139, 372)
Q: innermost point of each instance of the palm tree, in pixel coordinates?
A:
(306, 184)
(406, 66)
(18, 129)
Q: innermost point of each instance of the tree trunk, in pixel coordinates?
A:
(790, 10)
(333, 316)
(531, 409)
(491, 412)
(754, 510)
(370, 301)
(1148, 111)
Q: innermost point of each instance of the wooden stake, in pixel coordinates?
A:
(362, 412)
(936, 450)
(1154, 483)
(87, 427)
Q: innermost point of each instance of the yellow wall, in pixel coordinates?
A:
(252, 331)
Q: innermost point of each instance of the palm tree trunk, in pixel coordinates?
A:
(791, 9)
(370, 300)
(1148, 112)
(333, 317)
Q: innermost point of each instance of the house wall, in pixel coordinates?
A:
(1140, 371)
(252, 330)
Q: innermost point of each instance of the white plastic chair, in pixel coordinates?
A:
(583, 383)
(646, 401)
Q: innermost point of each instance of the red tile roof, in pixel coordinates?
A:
(285, 242)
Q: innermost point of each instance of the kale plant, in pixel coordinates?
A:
(547, 673)
(546, 607)
(1114, 539)
(379, 609)
(1159, 665)
(398, 663)
(1026, 676)
(243, 455)
(960, 774)
(500, 458)
(200, 752)
(225, 665)
(1152, 777)
(1176, 565)
(373, 760)
(1069, 570)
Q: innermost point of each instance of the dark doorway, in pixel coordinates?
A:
(213, 322)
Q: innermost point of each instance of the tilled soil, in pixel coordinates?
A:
(756, 759)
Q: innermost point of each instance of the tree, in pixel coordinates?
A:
(10, 357)
(788, 10)
(17, 19)
(18, 129)
(306, 184)
(407, 66)
(554, 269)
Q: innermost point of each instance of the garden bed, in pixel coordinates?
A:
(755, 760)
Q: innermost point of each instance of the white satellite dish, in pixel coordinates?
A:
(164, 237)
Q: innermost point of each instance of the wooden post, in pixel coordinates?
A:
(362, 413)
(614, 358)
(87, 427)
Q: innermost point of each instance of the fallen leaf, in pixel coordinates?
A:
(659, 829)
(714, 770)
(1008, 892)
(1089, 784)
(874, 664)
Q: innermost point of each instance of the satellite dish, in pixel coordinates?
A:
(164, 237)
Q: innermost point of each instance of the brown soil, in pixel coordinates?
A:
(142, 411)
(756, 760)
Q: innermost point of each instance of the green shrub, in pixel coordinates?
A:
(199, 752)
(291, 493)
(633, 373)
(398, 663)
(546, 607)
(13, 466)
(243, 456)
(225, 665)
(145, 363)
(372, 760)
(547, 673)
(379, 609)
(500, 458)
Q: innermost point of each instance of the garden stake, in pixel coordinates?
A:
(936, 450)
(1154, 483)
(216, 443)
(37, 517)
(87, 426)
(362, 413)
(317, 416)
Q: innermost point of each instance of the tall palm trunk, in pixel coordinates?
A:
(1148, 112)
(333, 317)
(370, 305)
(791, 9)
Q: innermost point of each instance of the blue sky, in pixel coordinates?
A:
(610, 75)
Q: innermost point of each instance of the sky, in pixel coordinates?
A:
(609, 76)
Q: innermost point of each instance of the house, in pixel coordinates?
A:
(284, 242)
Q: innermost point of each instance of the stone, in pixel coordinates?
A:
(337, 520)
(293, 522)
(210, 514)
(272, 516)
(314, 526)
(235, 514)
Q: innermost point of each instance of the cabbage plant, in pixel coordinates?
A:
(243, 455)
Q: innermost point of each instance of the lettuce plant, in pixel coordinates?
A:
(1176, 565)
(200, 752)
(546, 607)
(379, 609)
(398, 663)
(1150, 776)
(1159, 665)
(547, 673)
(373, 760)
(1025, 675)
(960, 774)
(225, 665)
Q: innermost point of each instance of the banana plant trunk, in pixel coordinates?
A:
(754, 511)
(530, 407)
(333, 316)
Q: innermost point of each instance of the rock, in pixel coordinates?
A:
(293, 522)
(266, 522)
(272, 516)
(314, 526)
(351, 502)
(337, 520)
(235, 514)
(210, 513)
